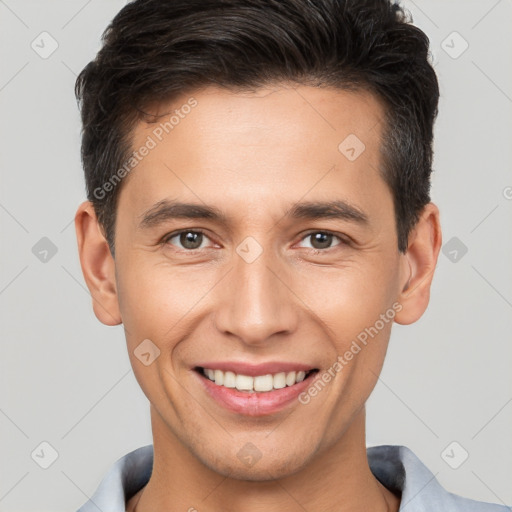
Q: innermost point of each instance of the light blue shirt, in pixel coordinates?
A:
(396, 467)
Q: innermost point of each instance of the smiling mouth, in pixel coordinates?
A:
(259, 384)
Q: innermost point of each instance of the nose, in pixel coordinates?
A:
(256, 301)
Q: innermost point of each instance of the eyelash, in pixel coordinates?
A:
(343, 240)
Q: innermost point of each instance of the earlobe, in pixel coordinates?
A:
(419, 263)
(98, 266)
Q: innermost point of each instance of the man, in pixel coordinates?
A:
(258, 216)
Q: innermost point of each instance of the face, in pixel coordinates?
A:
(288, 261)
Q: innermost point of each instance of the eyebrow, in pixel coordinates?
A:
(312, 210)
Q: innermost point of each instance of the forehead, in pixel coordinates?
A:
(251, 148)
(295, 112)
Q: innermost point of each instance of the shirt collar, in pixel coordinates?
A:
(395, 466)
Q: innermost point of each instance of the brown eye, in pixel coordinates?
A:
(322, 240)
(188, 239)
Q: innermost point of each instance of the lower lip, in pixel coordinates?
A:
(255, 404)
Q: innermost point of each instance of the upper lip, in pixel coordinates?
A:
(253, 370)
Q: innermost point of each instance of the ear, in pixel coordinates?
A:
(418, 265)
(98, 266)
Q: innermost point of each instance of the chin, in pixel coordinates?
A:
(268, 467)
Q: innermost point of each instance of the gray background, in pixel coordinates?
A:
(66, 378)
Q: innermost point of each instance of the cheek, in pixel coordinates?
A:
(145, 305)
(158, 301)
(155, 305)
(356, 307)
(350, 299)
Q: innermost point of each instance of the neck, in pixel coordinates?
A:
(337, 479)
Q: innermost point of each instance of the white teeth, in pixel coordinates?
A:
(280, 380)
(263, 383)
(260, 383)
(229, 380)
(290, 378)
(243, 382)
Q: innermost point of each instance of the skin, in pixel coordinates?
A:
(253, 156)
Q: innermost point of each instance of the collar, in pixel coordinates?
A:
(395, 466)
